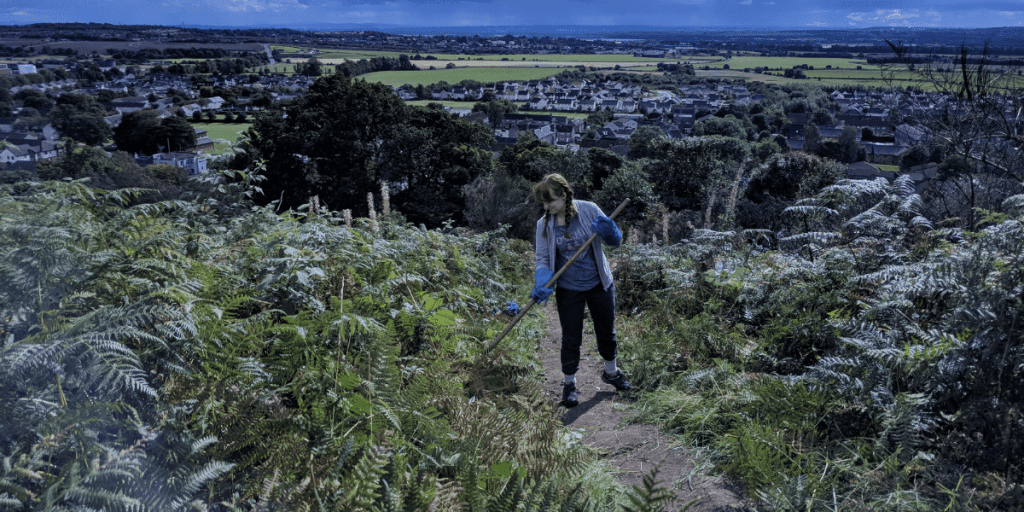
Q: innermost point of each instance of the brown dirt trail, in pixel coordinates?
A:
(633, 449)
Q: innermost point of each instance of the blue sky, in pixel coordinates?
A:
(470, 13)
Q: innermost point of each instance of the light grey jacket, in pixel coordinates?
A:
(545, 245)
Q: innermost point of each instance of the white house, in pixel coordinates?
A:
(195, 163)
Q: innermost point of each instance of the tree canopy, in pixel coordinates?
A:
(145, 133)
(346, 137)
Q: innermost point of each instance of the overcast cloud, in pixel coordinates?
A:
(468, 13)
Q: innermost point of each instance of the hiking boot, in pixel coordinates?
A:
(570, 397)
(618, 380)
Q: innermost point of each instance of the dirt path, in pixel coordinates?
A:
(634, 449)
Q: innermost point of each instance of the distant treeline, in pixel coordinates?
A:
(141, 56)
(361, 67)
(223, 66)
(927, 59)
(23, 51)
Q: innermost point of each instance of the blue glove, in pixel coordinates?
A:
(541, 278)
(607, 230)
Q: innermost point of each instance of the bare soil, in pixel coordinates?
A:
(635, 449)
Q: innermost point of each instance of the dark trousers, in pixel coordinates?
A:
(601, 303)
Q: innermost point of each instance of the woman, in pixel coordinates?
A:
(566, 225)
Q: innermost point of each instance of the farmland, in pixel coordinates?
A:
(491, 68)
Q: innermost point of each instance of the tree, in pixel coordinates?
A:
(176, 134)
(602, 164)
(81, 118)
(629, 181)
(600, 118)
(32, 98)
(850, 147)
(104, 171)
(791, 176)
(811, 138)
(330, 144)
(977, 124)
(145, 133)
(86, 127)
(728, 126)
(312, 67)
(132, 133)
(642, 141)
(430, 160)
(521, 158)
(686, 172)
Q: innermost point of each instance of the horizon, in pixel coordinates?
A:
(470, 15)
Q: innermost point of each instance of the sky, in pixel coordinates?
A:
(303, 14)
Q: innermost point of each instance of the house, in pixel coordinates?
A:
(408, 92)
(612, 105)
(538, 103)
(883, 154)
(214, 103)
(564, 105)
(37, 152)
(907, 135)
(195, 163)
(545, 134)
(129, 104)
(866, 171)
(190, 109)
(10, 153)
(204, 143)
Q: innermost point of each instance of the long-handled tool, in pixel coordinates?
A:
(551, 282)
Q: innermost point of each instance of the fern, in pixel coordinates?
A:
(650, 497)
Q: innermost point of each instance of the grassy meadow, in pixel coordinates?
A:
(223, 134)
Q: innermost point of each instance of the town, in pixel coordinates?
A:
(541, 107)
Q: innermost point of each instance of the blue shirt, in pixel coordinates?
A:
(545, 247)
(582, 274)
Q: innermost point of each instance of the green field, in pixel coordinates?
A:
(830, 71)
(335, 54)
(789, 62)
(519, 67)
(223, 134)
(597, 58)
(369, 54)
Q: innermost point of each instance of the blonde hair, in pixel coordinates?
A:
(550, 188)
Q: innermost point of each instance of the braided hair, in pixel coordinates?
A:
(550, 188)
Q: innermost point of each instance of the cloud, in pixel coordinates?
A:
(747, 2)
(896, 17)
(262, 5)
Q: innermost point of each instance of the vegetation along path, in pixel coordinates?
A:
(634, 449)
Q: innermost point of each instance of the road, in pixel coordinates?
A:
(270, 54)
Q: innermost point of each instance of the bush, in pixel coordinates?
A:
(494, 201)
